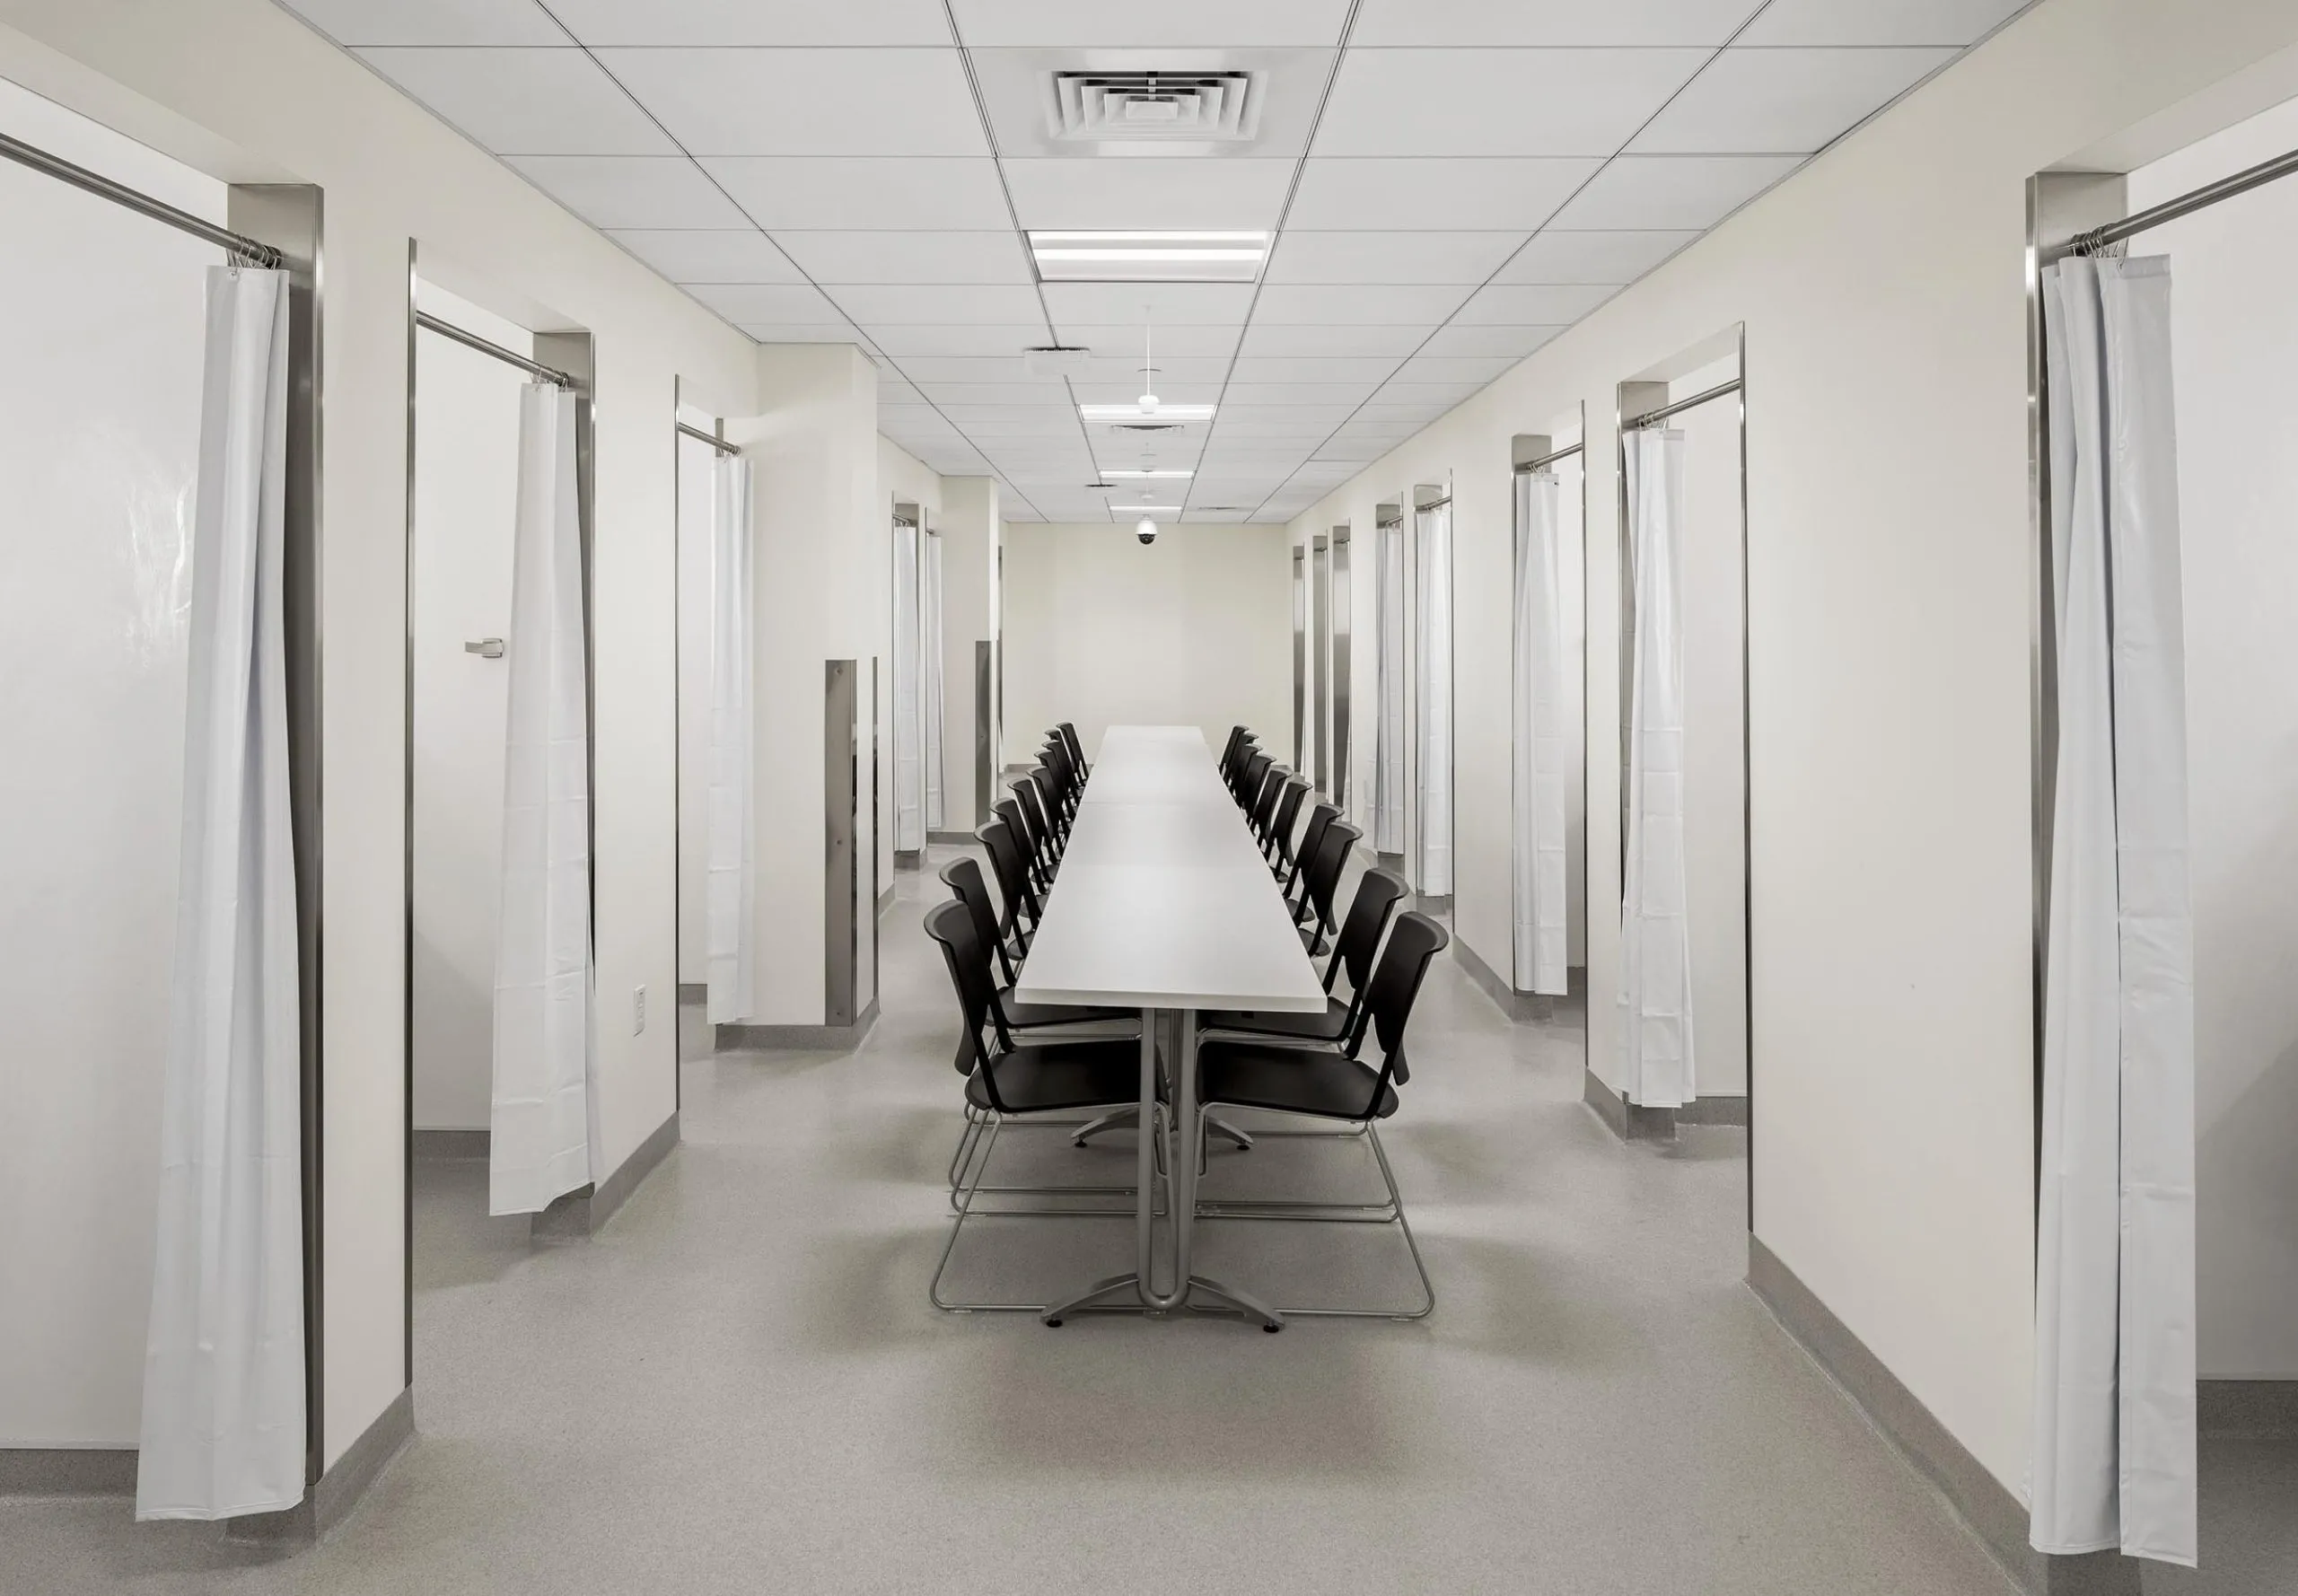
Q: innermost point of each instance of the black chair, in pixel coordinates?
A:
(1369, 913)
(1279, 849)
(1322, 879)
(1012, 872)
(1005, 1081)
(1335, 1084)
(1313, 833)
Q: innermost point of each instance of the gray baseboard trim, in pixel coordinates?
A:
(452, 1143)
(956, 839)
(694, 992)
(2247, 1410)
(809, 1038)
(1977, 1497)
(339, 1490)
(1630, 1122)
(67, 1471)
(582, 1211)
(1520, 1006)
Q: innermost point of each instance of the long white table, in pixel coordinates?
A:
(1165, 904)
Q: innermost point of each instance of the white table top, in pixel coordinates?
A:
(1163, 900)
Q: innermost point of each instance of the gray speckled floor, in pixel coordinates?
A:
(739, 1386)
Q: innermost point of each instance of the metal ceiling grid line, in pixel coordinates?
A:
(1714, 56)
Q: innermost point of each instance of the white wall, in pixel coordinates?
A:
(245, 91)
(465, 500)
(2235, 344)
(1194, 629)
(100, 360)
(1882, 290)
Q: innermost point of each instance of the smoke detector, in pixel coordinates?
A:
(1155, 107)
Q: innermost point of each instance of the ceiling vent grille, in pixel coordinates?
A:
(1155, 107)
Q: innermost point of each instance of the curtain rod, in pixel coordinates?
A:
(716, 441)
(471, 340)
(1549, 458)
(159, 210)
(2171, 210)
(1653, 417)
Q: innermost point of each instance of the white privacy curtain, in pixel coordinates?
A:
(910, 741)
(223, 1429)
(929, 643)
(1435, 763)
(1541, 744)
(540, 1139)
(2113, 1465)
(1388, 728)
(730, 908)
(1656, 1054)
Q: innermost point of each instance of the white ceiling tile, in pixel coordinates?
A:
(1200, 23)
(935, 304)
(1790, 101)
(1879, 22)
(618, 191)
(1164, 194)
(1304, 368)
(1297, 393)
(1197, 304)
(861, 192)
(1478, 369)
(1559, 256)
(525, 102)
(1497, 102)
(1553, 22)
(1672, 191)
(1320, 304)
(909, 257)
(1401, 255)
(803, 101)
(1498, 193)
(430, 21)
(1532, 304)
(1515, 342)
(903, 341)
(997, 393)
(1117, 340)
(1268, 338)
(816, 332)
(751, 22)
(721, 255)
(793, 304)
(1446, 394)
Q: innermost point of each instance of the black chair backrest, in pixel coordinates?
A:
(1264, 810)
(1288, 810)
(1312, 834)
(1012, 875)
(1388, 1000)
(951, 925)
(963, 877)
(1377, 897)
(1323, 875)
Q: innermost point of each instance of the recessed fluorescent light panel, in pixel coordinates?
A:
(1149, 257)
(1142, 476)
(1163, 415)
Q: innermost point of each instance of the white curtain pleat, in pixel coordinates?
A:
(1541, 745)
(223, 1429)
(929, 606)
(910, 741)
(1436, 673)
(2114, 1449)
(1388, 727)
(1657, 1063)
(541, 1124)
(730, 883)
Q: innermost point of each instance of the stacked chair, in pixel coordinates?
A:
(1044, 1064)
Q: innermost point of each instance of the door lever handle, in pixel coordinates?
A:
(486, 648)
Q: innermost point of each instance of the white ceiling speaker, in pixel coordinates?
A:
(1155, 107)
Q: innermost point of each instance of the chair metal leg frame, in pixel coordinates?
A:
(965, 1212)
(971, 1138)
(1395, 1200)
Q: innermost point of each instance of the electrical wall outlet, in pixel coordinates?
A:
(638, 1010)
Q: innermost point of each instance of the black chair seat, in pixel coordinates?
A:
(1020, 1016)
(1289, 1080)
(1062, 1075)
(1327, 1027)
